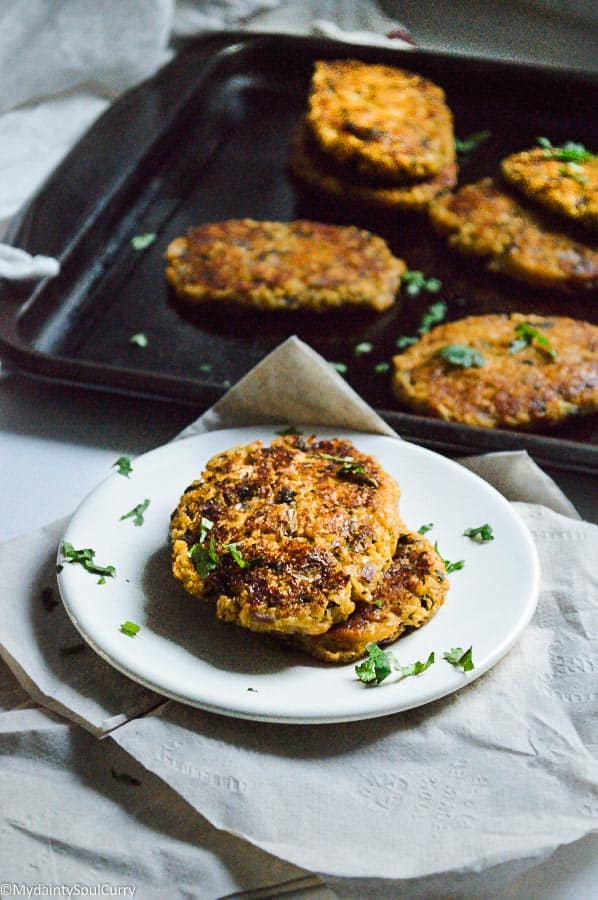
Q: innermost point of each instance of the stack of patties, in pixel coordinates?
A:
(375, 135)
(525, 224)
(302, 539)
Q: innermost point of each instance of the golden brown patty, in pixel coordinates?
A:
(482, 220)
(535, 371)
(382, 121)
(312, 167)
(276, 265)
(567, 188)
(413, 587)
(312, 523)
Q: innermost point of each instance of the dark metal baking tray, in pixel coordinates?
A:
(207, 139)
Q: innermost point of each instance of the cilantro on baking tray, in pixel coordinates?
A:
(481, 535)
(435, 313)
(85, 558)
(136, 513)
(472, 142)
(526, 336)
(380, 664)
(362, 348)
(462, 355)
(141, 241)
(139, 339)
(571, 151)
(415, 282)
(130, 628)
(123, 464)
(340, 367)
(459, 657)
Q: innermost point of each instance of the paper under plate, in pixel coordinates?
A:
(183, 652)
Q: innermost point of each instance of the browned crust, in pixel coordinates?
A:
(317, 538)
(412, 589)
(523, 389)
(383, 121)
(276, 265)
(311, 167)
(482, 220)
(569, 189)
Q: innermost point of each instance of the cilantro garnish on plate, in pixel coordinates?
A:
(130, 628)
(482, 534)
(380, 664)
(85, 558)
(459, 657)
(123, 464)
(137, 513)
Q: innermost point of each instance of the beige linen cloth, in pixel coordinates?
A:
(495, 777)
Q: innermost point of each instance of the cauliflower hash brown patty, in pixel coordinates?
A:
(314, 169)
(412, 588)
(382, 122)
(482, 220)
(532, 371)
(565, 187)
(276, 265)
(286, 538)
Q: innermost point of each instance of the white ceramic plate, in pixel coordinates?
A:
(183, 652)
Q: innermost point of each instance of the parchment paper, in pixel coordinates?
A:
(500, 772)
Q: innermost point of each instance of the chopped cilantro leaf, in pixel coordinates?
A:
(239, 558)
(571, 151)
(459, 657)
(416, 281)
(137, 513)
(417, 667)
(526, 336)
(205, 368)
(354, 471)
(381, 368)
(362, 348)
(205, 559)
(141, 241)
(434, 314)
(423, 529)
(378, 665)
(85, 558)
(123, 464)
(481, 535)
(404, 341)
(130, 628)
(462, 355)
(450, 566)
(139, 339)
(472, 142)
(340, 367)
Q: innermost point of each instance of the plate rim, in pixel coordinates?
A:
(360, 714)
